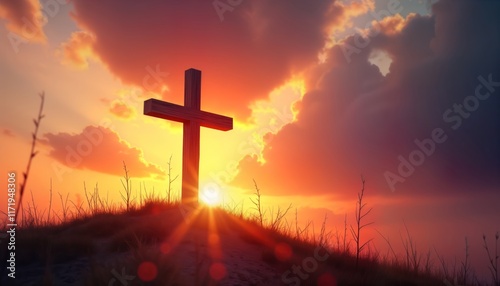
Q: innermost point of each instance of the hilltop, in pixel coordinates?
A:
(167, 244)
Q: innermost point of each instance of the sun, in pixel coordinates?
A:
(210, 195)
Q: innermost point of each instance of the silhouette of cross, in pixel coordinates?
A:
(192, 117)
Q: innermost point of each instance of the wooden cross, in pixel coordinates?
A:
(192, 117)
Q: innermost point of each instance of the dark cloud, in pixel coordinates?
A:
(99, 149)
(354, 121)
(256, 48)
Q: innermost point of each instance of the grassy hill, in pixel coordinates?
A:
(164, 243)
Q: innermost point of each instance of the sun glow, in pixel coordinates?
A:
(210, 195)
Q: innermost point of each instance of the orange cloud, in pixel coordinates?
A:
(349, 11)
(99, 149)
(392, 25)
(247, 55)
(122, 110)
(78, 49)
(24, 18)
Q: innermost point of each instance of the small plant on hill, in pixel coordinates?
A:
(493, 259)
(361, 213)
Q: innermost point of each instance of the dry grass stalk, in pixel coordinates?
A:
(33, 152)
(360, 215)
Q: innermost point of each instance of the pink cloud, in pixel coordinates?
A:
(24, 18)
(99, 149)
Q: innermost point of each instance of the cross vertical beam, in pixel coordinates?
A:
(193, 118)
(191, 138)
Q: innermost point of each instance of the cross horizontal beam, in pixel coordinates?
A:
(179, 113)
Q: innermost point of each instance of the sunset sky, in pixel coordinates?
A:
(405, 93)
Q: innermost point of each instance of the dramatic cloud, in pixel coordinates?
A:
(432, 112)
(24, 18)
(99, 149)
(245, 51)
(78, 49)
